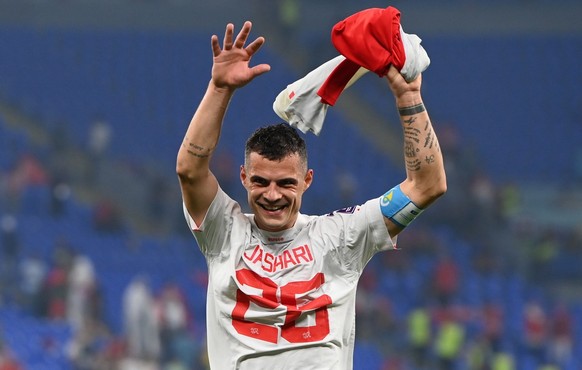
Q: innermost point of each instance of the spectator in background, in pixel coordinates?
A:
(535, 330)
(449, 342)
(544, 250)
(27, 173)
(9, 237)
(107, 217)
(446, 279)
(478, 354)
(141, 324)
(81, 292)
(87, 349)
(376, 318)
(54, 294)
(509, 200)
(175, 324)
(561, 336)
(549, 367)
(60, 195)
(7, 359)
(419, 333)
(493, 320)
(9, 255)
(33, 273)
(503, 361)
(98, 144)
(484, 214)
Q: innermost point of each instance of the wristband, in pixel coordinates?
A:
(398, 208)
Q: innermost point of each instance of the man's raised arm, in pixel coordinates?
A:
(230, 70)
(425, 173)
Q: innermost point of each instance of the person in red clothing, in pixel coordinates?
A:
(493, 324)
(7, 360)
(446, 279)
(561, 335)
(535, 330)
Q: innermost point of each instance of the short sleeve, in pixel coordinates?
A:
(213, 233)
(356, 234)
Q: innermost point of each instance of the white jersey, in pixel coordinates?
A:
(285, 300)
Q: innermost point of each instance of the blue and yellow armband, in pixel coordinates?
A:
(398, 207)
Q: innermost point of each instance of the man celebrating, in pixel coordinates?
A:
(282, 285)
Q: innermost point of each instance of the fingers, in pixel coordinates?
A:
(254, 46)
(227, 42)
(260, 69)
(242, 36)
(239, 42)
(395, 77)
(215, 45)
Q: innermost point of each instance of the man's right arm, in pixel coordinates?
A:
(230, 70)
(197, 182)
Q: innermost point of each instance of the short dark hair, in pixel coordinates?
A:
(276, 142)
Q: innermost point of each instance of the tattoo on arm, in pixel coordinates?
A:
(429, 139)
(196, 150)
(409, 121)
(409, 149)
(411, 110)
(413, 164)
(413, 137)
(412, 133)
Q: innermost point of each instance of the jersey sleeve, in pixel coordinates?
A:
(379, 235)
(212, 234)
(358, 233)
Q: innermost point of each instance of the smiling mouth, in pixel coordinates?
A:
(272, 208)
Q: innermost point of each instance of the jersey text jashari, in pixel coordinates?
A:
(271, 263)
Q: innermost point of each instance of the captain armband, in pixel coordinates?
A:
(398, 208)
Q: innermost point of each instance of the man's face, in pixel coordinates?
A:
(275, 189)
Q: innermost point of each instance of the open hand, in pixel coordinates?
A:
(231, 62)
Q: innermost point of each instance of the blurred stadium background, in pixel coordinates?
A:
(98, 269)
